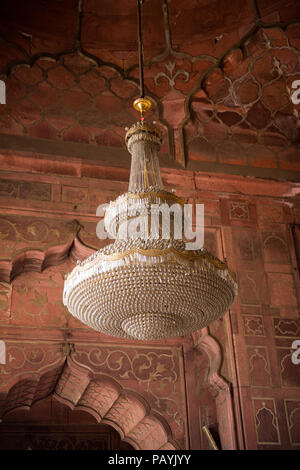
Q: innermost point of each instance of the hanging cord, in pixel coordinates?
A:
(141, 104)
(140, 45)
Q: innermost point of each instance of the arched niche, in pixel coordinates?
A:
(50, 425)
(101, 396)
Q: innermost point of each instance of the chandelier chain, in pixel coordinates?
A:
(140, 48)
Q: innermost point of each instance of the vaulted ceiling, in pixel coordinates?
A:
(220, 75)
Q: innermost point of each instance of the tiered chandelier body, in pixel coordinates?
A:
(146, 287)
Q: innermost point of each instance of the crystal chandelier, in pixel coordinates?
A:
(145, 287)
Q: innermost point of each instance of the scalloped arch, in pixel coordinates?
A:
(70, 63)
(33, 260)
(219, 387)
(101, 396)
(236, 85)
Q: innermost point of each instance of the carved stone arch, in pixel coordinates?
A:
(275, 248)
(31, 259)
(25, 389)
(50, 81)
(35, 244)
(101, 396)
(219, 388)
(231, 93)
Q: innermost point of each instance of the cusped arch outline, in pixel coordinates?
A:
(219, 388)
(37, 260)
(99, 395)
(60, 58)
(218, 68)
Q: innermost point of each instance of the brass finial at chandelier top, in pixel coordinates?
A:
(142, 105)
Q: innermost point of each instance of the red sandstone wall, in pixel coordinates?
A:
(222, 96)
(247, 221)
